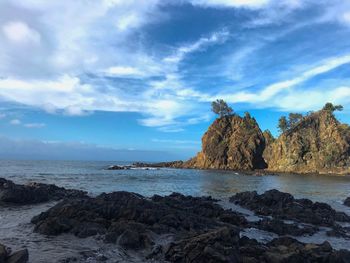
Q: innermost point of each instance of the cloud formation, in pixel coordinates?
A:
(77, 57)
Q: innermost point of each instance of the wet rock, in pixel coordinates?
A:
(339, 231)
(173, 164)
(219, 245)
(117, 167)
(281, 228)
(6, 256)
(21, 256)
(284, 206)
(347, 201)
(286, 249)
(131, 220)
(197, 229)
(32, 193)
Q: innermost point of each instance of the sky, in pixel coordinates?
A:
(134, 79)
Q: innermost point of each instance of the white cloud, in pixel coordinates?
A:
(274, 89)
(20, 33)
(123, 71)
(15, 122)
(231, 3)
(34, 125)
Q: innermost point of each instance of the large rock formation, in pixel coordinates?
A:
(231, 142)
(319, 143)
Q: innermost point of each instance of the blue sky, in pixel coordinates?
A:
(136, 77)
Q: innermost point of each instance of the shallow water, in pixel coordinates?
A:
(16, 230)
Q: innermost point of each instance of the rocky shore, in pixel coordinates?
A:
(7, 256)
(178, 228)
(11, 193)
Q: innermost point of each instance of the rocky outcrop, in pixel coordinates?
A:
(231, 142)
(347, 201)
(6, 256)
(133, 217)
(318, 143)
(32, 193)
(284, 206)
(173, 164)
(178, 228)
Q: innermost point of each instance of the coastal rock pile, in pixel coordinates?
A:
(319, 143)
(284, 206)
(6, 256)
(231, 142)
(130, 215)
(347, 201)
(33, 193)
(194, 229)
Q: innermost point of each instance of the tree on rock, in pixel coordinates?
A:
(221, 108)
(283, 124)
(294, 118)
(330, 107)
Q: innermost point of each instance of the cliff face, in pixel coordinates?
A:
(231, 142)
(317, 144)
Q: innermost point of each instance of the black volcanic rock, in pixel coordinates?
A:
(281, 228)
(133, 217)
(6, 256)
(347, 201)
(197, 228)
(284, 206)
(32, 193)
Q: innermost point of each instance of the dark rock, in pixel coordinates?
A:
(173, 164)
(339, 231)
(279, 227)
(131, 220)
(347, 201)
(33, 193)
(219, 245)
(117, 167)
(21, 256)
(284, 206)
(197, 229)
(6, 256)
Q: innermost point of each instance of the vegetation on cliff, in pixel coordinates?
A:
(316, 143)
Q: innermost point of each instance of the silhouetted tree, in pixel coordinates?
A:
(221, 108)
(283, 124)
(330, 107)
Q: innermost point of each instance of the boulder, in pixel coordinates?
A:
(33, 193)
(6, 256)
(347, 201)
(285, 206)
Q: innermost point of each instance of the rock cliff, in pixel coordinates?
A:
(318, 143)
(231, 142)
